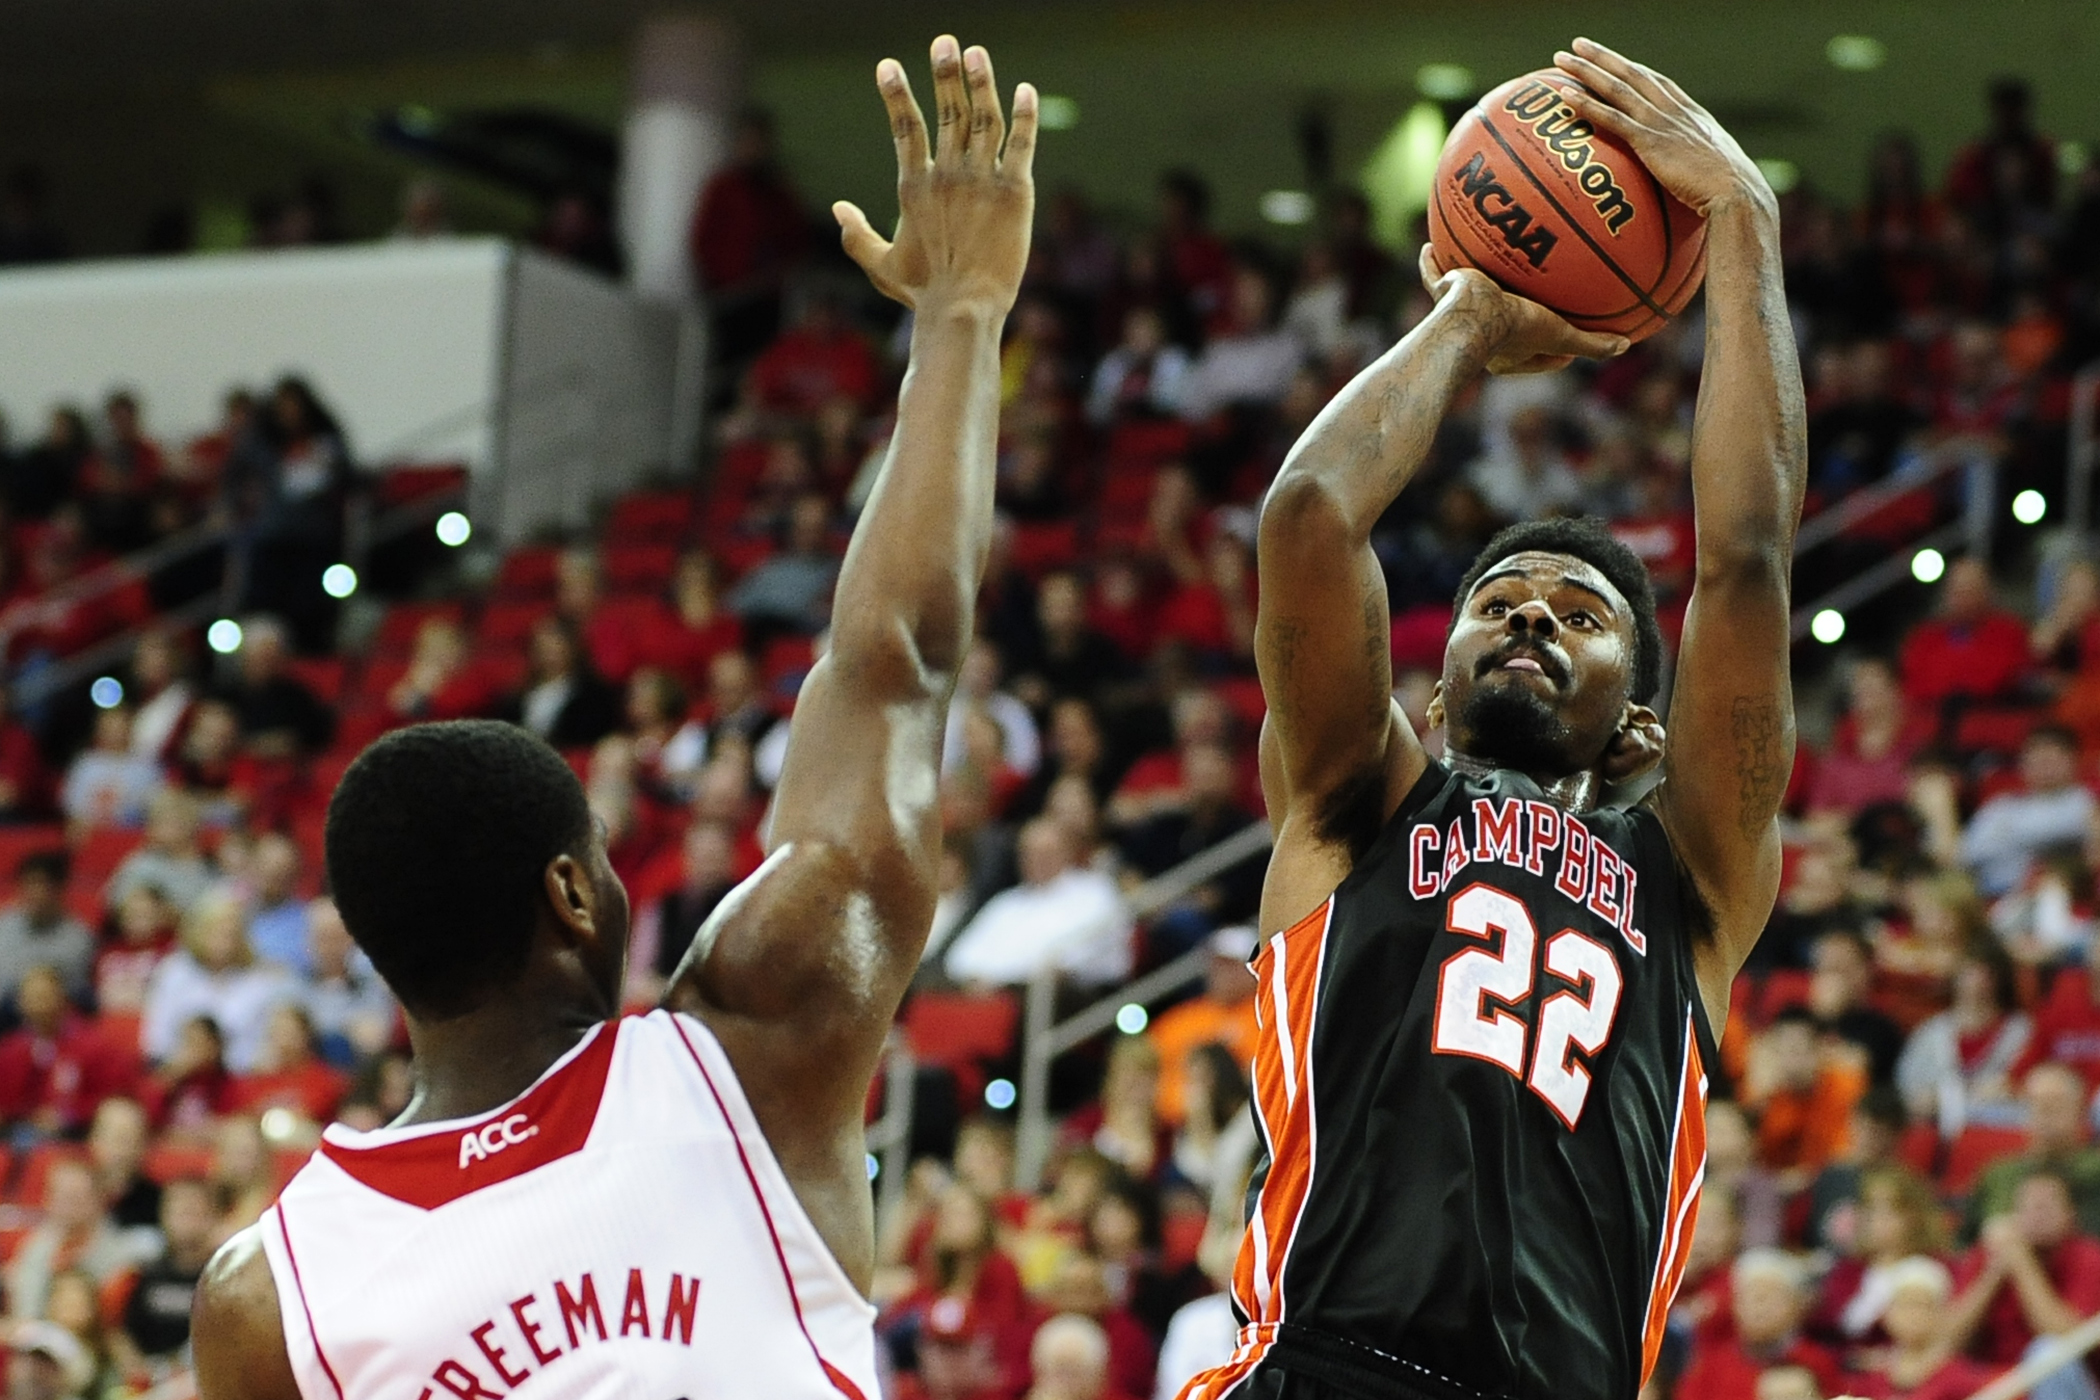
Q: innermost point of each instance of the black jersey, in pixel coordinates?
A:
(1480, 1087)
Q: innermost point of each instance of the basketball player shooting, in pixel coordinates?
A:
(1488, 1016)
(677, 1204)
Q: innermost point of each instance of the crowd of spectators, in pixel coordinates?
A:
(1902, 1178)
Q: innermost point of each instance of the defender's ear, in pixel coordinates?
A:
(1636, 747)
(1434, 715)
(573, 898)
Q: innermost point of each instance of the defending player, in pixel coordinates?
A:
(672, 1205)
(1487, 1019)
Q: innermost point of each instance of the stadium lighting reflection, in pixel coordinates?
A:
(1132, 1019)
(454, 529)
(107, 692)
(1828, 626)
(339, 580)
(2029, 507)
(999, 1094)
(1927, 565)
(224, 637)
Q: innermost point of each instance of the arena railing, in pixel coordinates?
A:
(2064, 1349)
(1971, 531)
(1044, 1038)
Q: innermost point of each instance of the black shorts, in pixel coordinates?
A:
(1303, 1365)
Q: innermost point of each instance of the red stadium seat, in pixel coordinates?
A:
(398, 629)
(1919, 1149)
(168, 1161)
(323, 675)
(400, 485)
(28, 1185)
(100, 852)
(1040, 548)
(639, 568)
(528, 571)
(508, 624)
(955, 1029)
(1973, 1149)
(1148, 442)
(659, 517)
(739, 557)
(1181, 1238)
(19, 841)
(1783, 987)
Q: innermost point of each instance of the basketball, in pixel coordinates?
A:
(1556, 211)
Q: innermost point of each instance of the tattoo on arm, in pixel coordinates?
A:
(1760, 761)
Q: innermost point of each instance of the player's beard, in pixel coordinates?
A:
(1513, 726)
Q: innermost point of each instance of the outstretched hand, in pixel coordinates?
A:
(1518, 336)
(965, 210)
(1688, 152)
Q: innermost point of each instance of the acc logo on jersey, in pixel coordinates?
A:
(486, 1141)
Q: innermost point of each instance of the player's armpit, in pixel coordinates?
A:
(236, 1329)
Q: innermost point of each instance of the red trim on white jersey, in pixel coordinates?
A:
(284, 1233)
(839, 1379)
(443, 1162)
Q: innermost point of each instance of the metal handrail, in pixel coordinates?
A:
(1873, 581)
(889, 1137)
(1923, 469)
(1044, 1038)
(109, 577)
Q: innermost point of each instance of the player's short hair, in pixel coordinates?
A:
(1590, 540)
(437, 840)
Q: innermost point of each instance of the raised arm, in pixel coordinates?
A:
(1731, 726)
(801, 969)
(1337, 754)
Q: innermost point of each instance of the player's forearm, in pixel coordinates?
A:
(1369, 442)
(1749, 442)
(912, 570)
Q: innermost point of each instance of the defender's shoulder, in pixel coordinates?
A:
(236, 1327)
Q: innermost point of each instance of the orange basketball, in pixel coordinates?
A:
(1554, 210)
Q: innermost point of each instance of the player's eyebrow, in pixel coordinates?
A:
(1567, 580)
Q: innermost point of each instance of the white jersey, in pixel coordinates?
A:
(620, 1231)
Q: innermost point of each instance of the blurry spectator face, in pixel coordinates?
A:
(1200, 717)
(154, 663)
(1885, 1227)
(693, 586)
(2047, 763)
(217, 936)
(1967, 594)
(122, 414)
(42, 1000)
(1531, 433)
(171, 824)
(709, 852)
(1075, 736)
(1916, 1316)
(1251, 301)
(113, 730)
(1061, 606)
(1717, 1234)
(1767, 1307)
(1078, 1185)
(1045, 851)
(187, 1218)
(263, 649)
(198, 1047)
(328, 940)
(809, 525)
(1212, 777)
(723, 794)
(239, 1157)
(652, 700)
(2042, 1207)
(961, 1224)
(275, 868)
(980, 669)
(2055, 1099)
(117, 1139)
(70, 1197)
(40, 897)
(552, 654)
(1132, 1080)
(1070, 803)
(1873, 689)
(289, 1039)
(1116, 1230)
(984, 1159)
(1841, 976)
(1788, 1383)
(1070, 1359)
(214, 734)
(1143, 334)
(440, 648)
(1795, 1059)
(1728, 1141)
(732, 683)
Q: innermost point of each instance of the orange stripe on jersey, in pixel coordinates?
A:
(1681, 1212)
(1220, 1381)
(1287, 974)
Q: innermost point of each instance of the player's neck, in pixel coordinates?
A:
(1577, 792)
(468, 1065)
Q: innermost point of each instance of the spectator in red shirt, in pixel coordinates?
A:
(1974, 650)
(291, 1074)
(1770, 1298)
(749, 234)
(118, 479)
(58, 1066)
(440, 682)
(698, 629)
(1871, 748)
(2005, 180)
(2031, 1275)
(821, 358)
(2067, 1023)
(961, 1264)
(186, 1094)
(1197, 262)
(145, 922)
(1921, 1362)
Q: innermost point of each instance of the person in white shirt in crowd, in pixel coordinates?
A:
(215, 973)
(1318, 312)
(1143, 375)
(171, 857)
(1252, 362)
(1944, 1080)
(1523, 474)
(110, 783)
(1205, 1333)
(977, 690)
(352, 1012)
(162, 693)
(2051, 809)
(1063, 915)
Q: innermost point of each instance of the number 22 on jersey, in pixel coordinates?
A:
(1479, 989)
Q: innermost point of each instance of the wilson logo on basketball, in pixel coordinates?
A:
(1553, 121)
(480, 1144)
(1478, 182)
